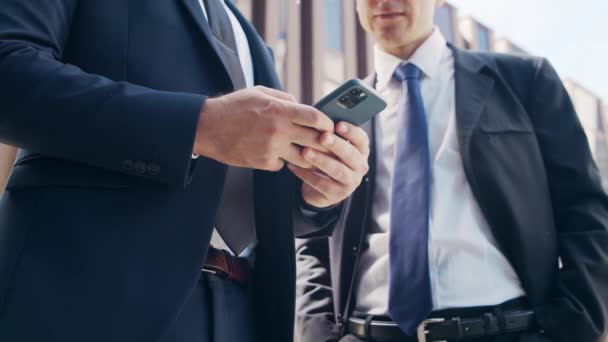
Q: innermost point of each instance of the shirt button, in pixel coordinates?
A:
(127, 165)
(140, 167)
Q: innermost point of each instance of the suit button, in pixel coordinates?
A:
(153, 169)
(127, 165)
(140, 167)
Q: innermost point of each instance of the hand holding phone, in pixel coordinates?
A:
(353, 102)
(339, 172)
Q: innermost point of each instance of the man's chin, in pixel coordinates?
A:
(394, 43)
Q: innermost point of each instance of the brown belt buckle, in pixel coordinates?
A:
(215, 271)
(422, 330)
(220, 263)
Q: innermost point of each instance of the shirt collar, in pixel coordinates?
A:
(427, 57)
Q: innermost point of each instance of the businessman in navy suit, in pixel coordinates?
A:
(132, 160)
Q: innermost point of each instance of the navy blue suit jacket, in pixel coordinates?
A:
(528, 163)
(106, 219)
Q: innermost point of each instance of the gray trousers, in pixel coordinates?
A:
(218, 311)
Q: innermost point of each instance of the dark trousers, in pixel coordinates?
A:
(218, 311)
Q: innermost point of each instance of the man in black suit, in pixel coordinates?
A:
(481, 185)
(132, 161)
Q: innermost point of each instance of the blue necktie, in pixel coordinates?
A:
(410, 300)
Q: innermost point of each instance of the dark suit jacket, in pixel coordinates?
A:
(528, 163)
(106, 221)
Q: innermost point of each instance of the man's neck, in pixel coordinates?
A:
(405, 52)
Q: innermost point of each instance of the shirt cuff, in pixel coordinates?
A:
(311, 208)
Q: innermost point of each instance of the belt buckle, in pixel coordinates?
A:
(421, 332)
(215, 271)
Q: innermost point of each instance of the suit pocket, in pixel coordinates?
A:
(504, 121)
(505, 128)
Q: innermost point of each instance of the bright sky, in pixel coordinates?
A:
(573, 35)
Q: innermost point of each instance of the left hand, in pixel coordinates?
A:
(339, 172)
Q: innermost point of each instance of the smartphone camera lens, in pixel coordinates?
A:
(355, 91)
(344, 99)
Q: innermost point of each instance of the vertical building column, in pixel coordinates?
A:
(349, 28)
(307, 39)
(258, 16)
(365, 55)
(271, 23)
(458, 39)
(295, 46)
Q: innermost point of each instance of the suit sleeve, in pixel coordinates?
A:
(61, 111)
(315, 319)
(580, 299)
(311, 222)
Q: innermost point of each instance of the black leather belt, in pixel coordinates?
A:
(442, 329)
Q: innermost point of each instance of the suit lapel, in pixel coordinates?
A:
(472, 92)
(195, 11)
(264, 71)
(270, 186)
(273, 191)
(263, 64)
(370, 128)
(357, 224)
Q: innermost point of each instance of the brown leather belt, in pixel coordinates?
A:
(223, 264)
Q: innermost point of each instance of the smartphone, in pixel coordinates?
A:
(353, 102)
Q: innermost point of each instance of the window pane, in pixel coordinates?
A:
(483, 36)
(333, 25)
(279, 43)
(333, 61)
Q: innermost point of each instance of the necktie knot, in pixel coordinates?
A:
(407, 71)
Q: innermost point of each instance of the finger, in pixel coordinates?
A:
(355, 135)
(321, 183)
(307, 137)
(314, 198)
(293, 155)
(332, 167)
(274, 166)
(277, 94)
(346, 152)
(308, 116)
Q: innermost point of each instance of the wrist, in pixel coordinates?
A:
(204, 142)
(312, 207)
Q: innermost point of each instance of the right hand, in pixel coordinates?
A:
(259, 128)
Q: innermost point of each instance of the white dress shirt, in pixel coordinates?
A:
(242, 45)
(466, 266)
